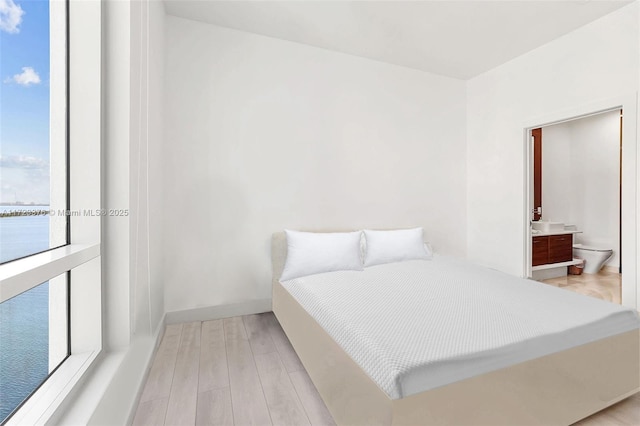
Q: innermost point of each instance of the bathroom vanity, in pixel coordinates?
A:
(552, 248)
(551, 253)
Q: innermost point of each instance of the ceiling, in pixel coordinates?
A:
(459, 39)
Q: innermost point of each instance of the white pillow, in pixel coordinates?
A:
(311, 253)
(394, 246)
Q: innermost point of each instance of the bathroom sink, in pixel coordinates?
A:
(545, 226)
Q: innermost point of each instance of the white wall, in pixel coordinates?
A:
(116, 172)
(138, 171)
(594, 63)
(132, 141)
(155, 120)
(132, 137)
(596, 168)
(263, 134)
(556, 173)
(147, 56)
(580, 178)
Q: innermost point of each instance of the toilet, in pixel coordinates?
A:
(594, 257)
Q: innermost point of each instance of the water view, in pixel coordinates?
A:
(24, 176)
(24, 319)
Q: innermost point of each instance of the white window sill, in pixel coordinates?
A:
(21, 275)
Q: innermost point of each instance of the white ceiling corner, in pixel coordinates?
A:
(459, 39)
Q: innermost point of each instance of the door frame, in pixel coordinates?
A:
(630, 159)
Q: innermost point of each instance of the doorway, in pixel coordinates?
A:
(577, 204)
(620, 178)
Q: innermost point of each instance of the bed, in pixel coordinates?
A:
(569, 357)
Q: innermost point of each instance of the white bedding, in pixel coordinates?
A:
(417, 325)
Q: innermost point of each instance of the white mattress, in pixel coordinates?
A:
(417, 325)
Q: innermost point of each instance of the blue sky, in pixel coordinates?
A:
(24, 101)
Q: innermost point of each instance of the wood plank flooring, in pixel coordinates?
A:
(604, 285)
(624, 413)
(244, 371)
(240, 370)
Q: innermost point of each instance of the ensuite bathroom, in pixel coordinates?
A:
(577, 191)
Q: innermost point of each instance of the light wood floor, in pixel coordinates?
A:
(624, 413)
(243, 370)
(239, 370)
(604, 285)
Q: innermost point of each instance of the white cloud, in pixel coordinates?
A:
(10, 16)
(26, 78)
(24, 185)
(22, 162)
(24, 178)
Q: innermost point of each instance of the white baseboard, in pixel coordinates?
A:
(221, 311)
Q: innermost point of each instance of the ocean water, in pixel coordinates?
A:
(24, 319)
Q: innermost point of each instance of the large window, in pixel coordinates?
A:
(46, 277)
(36, 254)
(33, 110)
(33, 337)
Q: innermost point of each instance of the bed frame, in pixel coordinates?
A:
(557, 389)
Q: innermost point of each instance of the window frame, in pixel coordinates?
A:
(67, 276)
(80, 258)
(67, 204)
